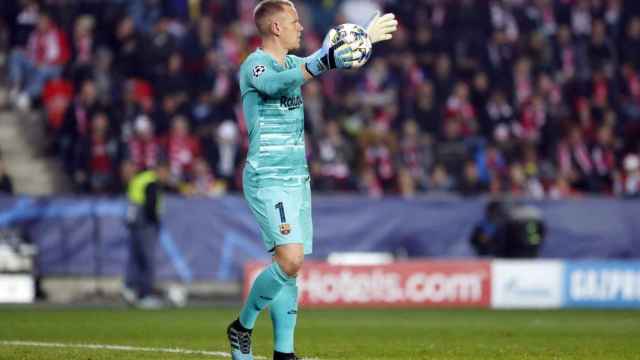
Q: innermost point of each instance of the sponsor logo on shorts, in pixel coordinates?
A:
(285, 229)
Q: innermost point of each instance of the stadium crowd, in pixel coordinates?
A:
(536, 98)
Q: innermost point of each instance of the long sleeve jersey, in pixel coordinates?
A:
(274, 113)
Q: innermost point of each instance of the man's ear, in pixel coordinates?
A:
(275, 28)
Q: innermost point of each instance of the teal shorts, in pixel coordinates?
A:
(282, 211)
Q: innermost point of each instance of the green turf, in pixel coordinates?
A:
(332, 334)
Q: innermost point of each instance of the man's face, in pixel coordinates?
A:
(163, 173)
(290, 28)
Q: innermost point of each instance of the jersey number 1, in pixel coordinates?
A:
(280, 208)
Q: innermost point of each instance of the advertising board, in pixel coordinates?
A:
(527, 284)
(398, 284)
(610, 284)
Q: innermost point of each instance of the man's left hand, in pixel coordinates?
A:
(381, 28)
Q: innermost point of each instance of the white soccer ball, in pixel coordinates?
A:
(355, 35)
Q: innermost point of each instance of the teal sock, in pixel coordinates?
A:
(284, 313)
(266, 288)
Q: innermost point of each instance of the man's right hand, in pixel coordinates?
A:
(338, 56)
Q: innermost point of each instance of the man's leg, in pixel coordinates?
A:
(132, 276)
(149, 239)
(284, 310)
(267, 286)
(38, 79)
(284, 314)
(18, 65)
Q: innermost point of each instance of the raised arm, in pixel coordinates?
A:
(272, 83)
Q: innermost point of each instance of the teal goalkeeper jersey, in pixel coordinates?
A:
(274, 114)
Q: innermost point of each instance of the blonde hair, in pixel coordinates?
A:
(265, 10)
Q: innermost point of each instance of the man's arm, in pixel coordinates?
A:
(272, 83)
(151, 203)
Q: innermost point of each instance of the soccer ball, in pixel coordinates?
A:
(352, 34)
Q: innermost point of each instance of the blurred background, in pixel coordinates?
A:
(485, 128)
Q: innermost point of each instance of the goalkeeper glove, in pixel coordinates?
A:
(381, 28)
(338, 56)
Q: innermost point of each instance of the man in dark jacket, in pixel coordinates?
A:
(487, 235)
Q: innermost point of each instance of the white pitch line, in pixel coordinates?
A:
(119, 348)
(124, 348)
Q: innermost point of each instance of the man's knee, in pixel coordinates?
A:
(290, 258)
(291, 266)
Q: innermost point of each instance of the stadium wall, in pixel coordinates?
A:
(211, 239)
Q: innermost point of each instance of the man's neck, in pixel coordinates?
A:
(273, 48)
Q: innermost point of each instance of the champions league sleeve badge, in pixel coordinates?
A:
(258, 70)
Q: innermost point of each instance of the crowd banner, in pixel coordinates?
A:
(399, 284)
(602, 284)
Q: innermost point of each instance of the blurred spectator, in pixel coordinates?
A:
(524, 232)
(129, 48)
(202, 182)
(173, 79)
(379, 150)
(332, 167)
(46, 52)
(76, 123)
(575, 163)
(182, 147)
(144, 147)
(500, 123)
(228, 152)
(521, 185)
(83, 46)
(631, 50)
(628, 184)
(426, 110)
(561, 189)
(603, 155)
(415, 155)
(460, 112)
(23, 16)
(470, 184)
(440, 180)
(486, 237)
(97, 157)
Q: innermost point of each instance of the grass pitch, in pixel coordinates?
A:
(323, 334)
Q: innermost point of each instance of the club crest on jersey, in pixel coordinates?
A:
(285, 229)
(258, 70)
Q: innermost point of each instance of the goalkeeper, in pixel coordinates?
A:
(276, 177)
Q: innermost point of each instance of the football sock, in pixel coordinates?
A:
(266, 287)
(284, 313)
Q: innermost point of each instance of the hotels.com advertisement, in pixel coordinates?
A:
(402, 284)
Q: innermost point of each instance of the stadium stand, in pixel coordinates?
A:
(530, 98)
